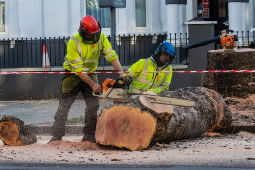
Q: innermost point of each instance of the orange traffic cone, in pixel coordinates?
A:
(45, 60)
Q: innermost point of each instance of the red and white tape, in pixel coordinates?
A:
(114, 72)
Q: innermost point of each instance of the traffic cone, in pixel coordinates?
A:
(45, 59)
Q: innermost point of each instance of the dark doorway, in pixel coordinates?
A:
(216, 10)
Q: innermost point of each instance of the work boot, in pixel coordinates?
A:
(89, 138)
(55, 138)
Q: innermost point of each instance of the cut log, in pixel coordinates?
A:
(13, 132)
(137, 123)
(231, 84)
(124, 125)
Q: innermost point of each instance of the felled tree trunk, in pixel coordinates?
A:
(137, 123)
(231, 84)
(13, 132)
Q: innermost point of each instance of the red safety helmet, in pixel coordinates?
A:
(90, 29)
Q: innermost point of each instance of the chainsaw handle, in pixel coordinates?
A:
(227, 31)
(127, 81)
(119, 79)
(97, 94)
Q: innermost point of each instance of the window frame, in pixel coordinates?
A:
(5, 32)
(148, 17)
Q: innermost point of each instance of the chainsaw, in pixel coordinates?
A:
(118, 89)
(228, 41)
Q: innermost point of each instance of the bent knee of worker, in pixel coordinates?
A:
(63, 109)
(60, 118)
(61, 115)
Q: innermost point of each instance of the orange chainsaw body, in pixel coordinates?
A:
(228, 39)
(108, 83)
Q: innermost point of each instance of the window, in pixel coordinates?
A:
(101, 14)
(140, 13)
(2, 17)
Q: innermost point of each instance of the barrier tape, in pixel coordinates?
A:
(115, 72)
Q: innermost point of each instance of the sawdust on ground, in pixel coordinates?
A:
(231, 150)
(76, 145)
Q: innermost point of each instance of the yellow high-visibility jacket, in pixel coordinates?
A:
(155, 82)
(82, 57)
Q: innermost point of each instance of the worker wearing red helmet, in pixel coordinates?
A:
(83, 52)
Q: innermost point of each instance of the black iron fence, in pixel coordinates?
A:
(247, 39)
(19, 53)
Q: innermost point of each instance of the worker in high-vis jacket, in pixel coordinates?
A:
(83, 52)
(153, 74)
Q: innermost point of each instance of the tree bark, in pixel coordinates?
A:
(13, 132)
(231, 84)
(137, 123)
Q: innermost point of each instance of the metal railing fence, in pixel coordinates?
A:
(28, 52)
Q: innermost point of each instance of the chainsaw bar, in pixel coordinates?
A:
(169, 101)
(118, 93)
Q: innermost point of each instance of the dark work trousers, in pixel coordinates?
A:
(71, 86)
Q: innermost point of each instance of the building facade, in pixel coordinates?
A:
(47, 18)
(27, 26)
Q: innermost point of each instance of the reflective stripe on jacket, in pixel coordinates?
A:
(155, 82)
(82, 57)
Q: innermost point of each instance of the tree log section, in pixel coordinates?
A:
(137, 122)
(231, 84)
(13, 132)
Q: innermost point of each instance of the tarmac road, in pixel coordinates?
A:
(41, 111)
(105, 167)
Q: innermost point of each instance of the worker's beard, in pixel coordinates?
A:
(157, 60)
(89, 38)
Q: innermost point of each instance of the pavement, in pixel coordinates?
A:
(230, 151)
(41, 112)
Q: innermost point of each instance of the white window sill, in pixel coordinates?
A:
(4, 34)
(142, 29)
